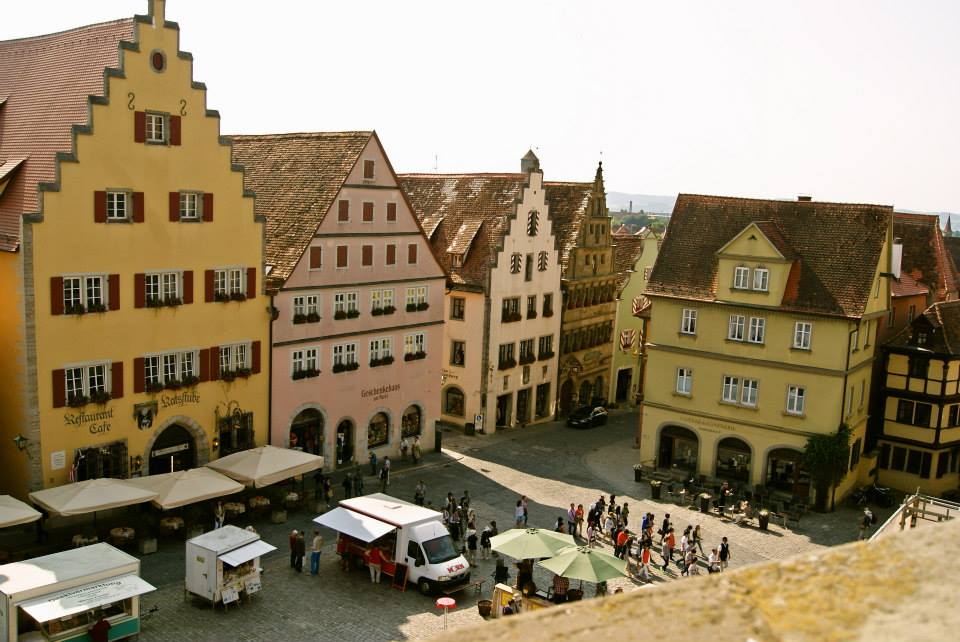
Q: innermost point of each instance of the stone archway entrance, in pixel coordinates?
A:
(733, 460)
(344, 445)
(173, 450)
(678, 449)
(786, 472)
(306, 431)
(566, 397)
(412, 422)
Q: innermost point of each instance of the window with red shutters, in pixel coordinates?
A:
(99, 207)
(56, 295)
(343, 211)
(368, 167)
(367, 255)
(204, 365)
(59, 389)
(209, 286)
(207, 206)
(173, 206)
(113, 291)
(255, 357)
(391, 254)
(175, 130)
(316, 258)
(341, 256)
(187, 294)
(139, 126)
(116, 379)
(412, 253)
(139, 375)
(213, 359)
(138, 207)
(368, 212)
(139, 290)
(391, 212)
(251, 283)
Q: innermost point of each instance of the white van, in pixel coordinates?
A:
(404, 533)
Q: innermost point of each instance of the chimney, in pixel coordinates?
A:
(804, 198)
(897, 257)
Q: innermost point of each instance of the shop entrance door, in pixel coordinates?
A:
(503, 411)
(624, 379)
(566, 397)
(172, 451)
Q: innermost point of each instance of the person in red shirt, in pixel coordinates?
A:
(374, 560)
(99, 632)
(622, 539)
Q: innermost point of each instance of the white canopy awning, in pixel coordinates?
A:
(13, 512)
(266, 465)
(82, 598)
(245, 553)
(354, 524)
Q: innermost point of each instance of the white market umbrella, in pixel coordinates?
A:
(186, 487)
(90, 496)
(589, 564)
(14, 512)
(266, 465)
(526, 543)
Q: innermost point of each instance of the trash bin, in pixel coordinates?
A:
(470, 429)
(705, 502)
(437, 440)
(655, 488)
(637, 474)
(763, 518)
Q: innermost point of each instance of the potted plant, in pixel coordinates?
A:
(74, 308)
(531, 314)
(353, 314)
(190, 380)
(313, 317)
(96, 307)
(228, 375)
(172, 301)
(353, 365)
(376, 311)
(154, 386)
(548, 313)
(338, 367)
(374, 362)
(339, 315)
(243, 372)
(154, 302)
(411, 307)
(423, 305)
(386, 360)
(389, 309)
(221, 297)
(77, 401)
(172, 384)
(299, 318)
(238, 296)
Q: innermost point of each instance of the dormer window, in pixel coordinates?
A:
(761, 279)
(921, 338)
(456, 260)
(741, 278)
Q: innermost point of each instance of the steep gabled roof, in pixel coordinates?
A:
(906, 285)
(45, 82)
(925, 255)
(940, 322)
(626, 251)
(295, 178)
(838, 247)
(455, 202)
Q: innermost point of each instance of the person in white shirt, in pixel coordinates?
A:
(713, 561)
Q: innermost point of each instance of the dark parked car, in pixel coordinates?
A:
(587, 417)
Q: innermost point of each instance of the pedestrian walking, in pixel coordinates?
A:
(645, 561)
(608, 525)
(578, 520)
(591, 535)
(865, 522)
(526, 513)
(315, 552)
(373, 464)
(465, 500)
(455, 524)
(327, 491)
(358, 484)
(572, 519)
(665, 527)
(624, 514)
(724, 553)
(419, 492)
(472, 547)
(383, 479)
(519, 513)
(404, 447)
(697, 538)
(219, 516)
(669, 541)
(415, 449)
(485, 536)
(301, 550)
(348, 486)
(693, 568)
(293, 548)
(713, 562)
(621, 549)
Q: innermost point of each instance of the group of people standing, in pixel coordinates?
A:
(298, 550)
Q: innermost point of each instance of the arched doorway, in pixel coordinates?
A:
(453, 403)
(411, 422)
(173, 450)
(786, 472)
(344, 443)
(733, 460)
(586, 393)
(378, 430)
(306, 431)
(678, 449)
(598, 390)
(566, 397)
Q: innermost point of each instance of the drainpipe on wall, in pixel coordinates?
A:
(270, 376)
(485, 373)
(640, 377)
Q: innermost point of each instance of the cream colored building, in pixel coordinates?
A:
(764, 315)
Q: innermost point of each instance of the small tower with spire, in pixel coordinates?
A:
(947, 230)
(598, 195)
(529, 163)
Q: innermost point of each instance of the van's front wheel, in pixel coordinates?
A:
(425, 587)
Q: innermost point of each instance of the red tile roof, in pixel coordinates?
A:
(906, 285)
(46, 81)
(626, 251)
(925, 255)
(295, 178)
(838, 247)
(940, 322)
(448, 202)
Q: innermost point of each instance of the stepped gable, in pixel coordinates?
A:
(295, 177)
(46, 85)
(836, 248)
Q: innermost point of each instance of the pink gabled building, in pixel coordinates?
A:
(357, 336)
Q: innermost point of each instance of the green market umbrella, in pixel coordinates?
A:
(582, 563)
(526, 543)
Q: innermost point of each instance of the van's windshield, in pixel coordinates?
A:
(440, 550)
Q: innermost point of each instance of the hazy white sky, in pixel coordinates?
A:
(853, 100)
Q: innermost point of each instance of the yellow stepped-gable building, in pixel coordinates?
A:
(134, 332)
(762, 333)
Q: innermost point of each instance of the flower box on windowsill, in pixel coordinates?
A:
(510, 317)
(345, 367)
(506, 365)
(75, 308)
(548, 313)
(376, 312)
(100, 397)
(238, 296)
(339, 315)
(524, 360)
(221, 297)
(230, 375)
(306, 374)
(190, 380)
(172, 301)
(77, 401)
(423, 305)
(96, 307)
(531, 314)
(154, 386)
(389, 309)
(172, 384)
(414, 356)
(546, 355)
(299, 318)
(154, 302)
(382, 361)
(353, 314)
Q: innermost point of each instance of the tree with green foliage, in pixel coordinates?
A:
(825, 458)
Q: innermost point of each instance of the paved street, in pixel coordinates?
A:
(552, 465)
